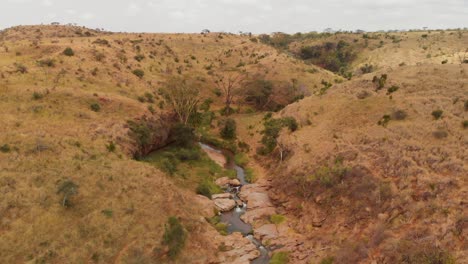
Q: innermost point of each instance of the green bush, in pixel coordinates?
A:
(465, 124)
(380, 81)
(280, 258)
(111, 146)
(437, 114)
(174, 237)
(5, 148)
(384, 120)
(277, 219)
(169, 165)
(95, 107)
(139, 73)
(139, 57)
(68, 52)
(392, 89)
(229, 129)
(207, 188)
(37, 96)
(271, 132)
(329, 176)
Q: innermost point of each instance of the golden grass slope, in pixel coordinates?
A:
(405, 189)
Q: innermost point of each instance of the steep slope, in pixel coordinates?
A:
(379, 174)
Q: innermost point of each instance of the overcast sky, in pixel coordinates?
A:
(257, 16)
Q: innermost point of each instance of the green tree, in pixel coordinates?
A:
(229, 129)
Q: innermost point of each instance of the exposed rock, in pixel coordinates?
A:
(223, 182)
(235, 182)
(266, 232)
(224, 205)
(255, 214)
(238, 249)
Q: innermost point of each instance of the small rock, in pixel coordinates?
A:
(234, 182)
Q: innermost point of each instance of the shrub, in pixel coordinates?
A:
(392, 89)
(21, 68)
(280, 258)
(399, 115)
(139, 73)
(68, 52)
(367, 68)
(139, 57)
(380, 81)
(437, 114)
(207, 188)
(277, 219)
(46, 63)
(111, 146)
(272, 130)
(466, 105)
(229, 129)
(108, 212)
(205, 106)
(5, 148)
(384, 120)
(174, 236)
(95, 107)
(465, 124)
(68, 189)
(37, 96)
(329, 176)
(444, 61)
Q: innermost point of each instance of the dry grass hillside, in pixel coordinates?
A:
(71, 191)
(380, 175)
(393, 49)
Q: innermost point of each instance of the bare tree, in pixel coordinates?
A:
(183, 96)
(230, 82)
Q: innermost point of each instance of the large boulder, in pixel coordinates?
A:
(225, 205)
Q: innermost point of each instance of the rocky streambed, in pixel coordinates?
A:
(235, 208)
(247, 209)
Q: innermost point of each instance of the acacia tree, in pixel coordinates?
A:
(182, 94)
(230, 82)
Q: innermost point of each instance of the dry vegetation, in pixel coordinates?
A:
(375, 169)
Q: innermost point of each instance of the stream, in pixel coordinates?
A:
(232, 218)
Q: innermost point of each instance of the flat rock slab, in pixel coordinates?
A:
(266, 232)
(253, 215)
